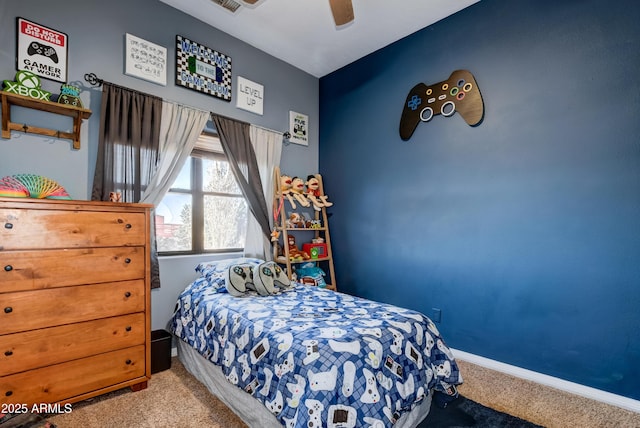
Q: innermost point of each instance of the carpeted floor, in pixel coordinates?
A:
(175, 399)
(540, 404)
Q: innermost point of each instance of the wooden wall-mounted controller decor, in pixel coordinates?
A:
(459, 93)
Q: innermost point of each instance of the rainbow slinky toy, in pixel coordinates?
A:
(31, 186)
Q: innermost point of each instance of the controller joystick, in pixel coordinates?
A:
(36, 48)
(459, 93)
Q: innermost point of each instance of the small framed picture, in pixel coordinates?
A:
(145, 60)
(42, 50)
(299, 128)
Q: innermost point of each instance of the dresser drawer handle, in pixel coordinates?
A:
(8, 225)
(128, 328)
(8, 393)
(8, 310)
(128, 226)
(128, 362)
(8, 268)
(8, 353)
(127, 294)
(127, 260)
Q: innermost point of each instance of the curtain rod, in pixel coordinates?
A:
(96, 81)
(286, 134)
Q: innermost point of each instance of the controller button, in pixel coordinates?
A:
(460, 96)
(467, 87)
(414, 102)
(429, 91)
(454, 91)
(429, 114)
(448, 108)
(442, 97)
(431, 100)
(445, 86)
(461, 82)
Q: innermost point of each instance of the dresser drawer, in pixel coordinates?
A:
(27, 270)
(39, 348)
(64, 381)
(22, 229)
(29, 310)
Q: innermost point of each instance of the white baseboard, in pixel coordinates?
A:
(174, 352)
(554, 382)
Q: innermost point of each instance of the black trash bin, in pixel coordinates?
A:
(160, 351)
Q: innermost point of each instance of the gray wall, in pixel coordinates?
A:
(96, 31)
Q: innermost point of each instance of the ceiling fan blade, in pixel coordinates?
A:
(342, 11)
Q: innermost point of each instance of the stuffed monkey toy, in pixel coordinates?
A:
(285, 187)
(294, 252)
(313, 193)
(297, 190)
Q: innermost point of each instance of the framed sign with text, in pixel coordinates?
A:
(203, 69)
(299, 128)
(42, 51)
(145, 60)
(250, 96)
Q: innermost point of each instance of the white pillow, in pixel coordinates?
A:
(268, 275)
(237, 278)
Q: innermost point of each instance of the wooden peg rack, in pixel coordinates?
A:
(10, 99)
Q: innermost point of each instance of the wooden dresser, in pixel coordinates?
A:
(74, 299)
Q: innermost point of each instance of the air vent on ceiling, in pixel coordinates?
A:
(228, 4)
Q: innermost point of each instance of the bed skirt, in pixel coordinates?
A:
(244, 405)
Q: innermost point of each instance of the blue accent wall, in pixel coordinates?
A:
(523, 230)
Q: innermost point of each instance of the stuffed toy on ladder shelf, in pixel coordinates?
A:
(301, 240)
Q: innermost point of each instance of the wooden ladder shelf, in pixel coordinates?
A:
(325, 261)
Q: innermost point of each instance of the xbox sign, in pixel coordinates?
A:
(28, 79)
(27, 84)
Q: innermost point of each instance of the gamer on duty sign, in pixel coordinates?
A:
(203, 69)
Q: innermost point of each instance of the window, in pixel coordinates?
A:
(204, 210)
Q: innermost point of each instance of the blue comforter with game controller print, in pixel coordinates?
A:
(318, 358)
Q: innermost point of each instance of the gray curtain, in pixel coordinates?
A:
(236, 143)
(128, 150)
(128, 143)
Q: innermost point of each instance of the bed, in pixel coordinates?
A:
(303, 356)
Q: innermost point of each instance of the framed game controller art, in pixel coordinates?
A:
(42, 50)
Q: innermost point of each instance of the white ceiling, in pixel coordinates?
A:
(303, 33)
